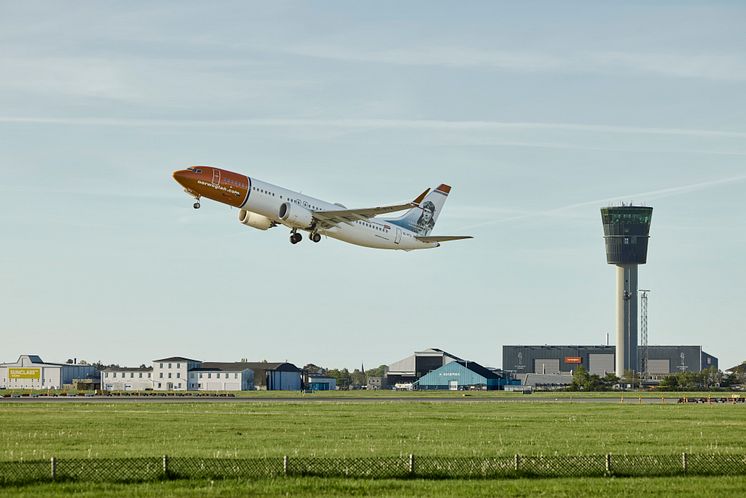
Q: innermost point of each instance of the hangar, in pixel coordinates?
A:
(31, 372)
(411, 368)
(600, 360)
(459, 375)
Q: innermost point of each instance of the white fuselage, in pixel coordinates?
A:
(265, 199)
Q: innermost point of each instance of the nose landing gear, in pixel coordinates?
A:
(196, 205)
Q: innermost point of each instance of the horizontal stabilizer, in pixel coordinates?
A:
(443, 238)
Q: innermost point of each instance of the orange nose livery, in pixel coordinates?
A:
(214, 183)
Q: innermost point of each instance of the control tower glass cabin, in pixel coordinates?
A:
(626, 233)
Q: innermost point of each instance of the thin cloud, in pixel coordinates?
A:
(394, 124)
(716, 66)
(649, 195)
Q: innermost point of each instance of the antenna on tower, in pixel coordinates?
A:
(644, 332)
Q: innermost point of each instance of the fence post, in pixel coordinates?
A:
(411, 464)
(285, 465)
(165, 465)
(53, 465)
(608, 463)
(684, 462)
(517, 462)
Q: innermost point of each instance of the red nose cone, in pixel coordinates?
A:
(180, 176)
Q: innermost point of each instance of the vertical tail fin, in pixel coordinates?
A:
(421, 219)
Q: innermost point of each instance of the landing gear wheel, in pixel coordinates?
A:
(295, 238)
(316, 237)
(196, 205)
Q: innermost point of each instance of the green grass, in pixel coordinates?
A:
(680, 486)
(385, 428)
(372, 428)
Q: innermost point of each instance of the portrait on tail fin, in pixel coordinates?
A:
(426, 221)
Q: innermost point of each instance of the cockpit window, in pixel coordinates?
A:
(194, 170)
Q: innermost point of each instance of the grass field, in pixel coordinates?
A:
(381, 428)
(680, 486)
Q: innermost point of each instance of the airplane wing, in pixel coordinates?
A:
(443, 238)
(329, 218)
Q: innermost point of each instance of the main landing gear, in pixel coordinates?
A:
(296, 237)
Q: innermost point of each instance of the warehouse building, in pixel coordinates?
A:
(408, 370)
(31, 372)
(600, 360)
(213, 376)
(276, 376)
(127, 379)
(460, 375)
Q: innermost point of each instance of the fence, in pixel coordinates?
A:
(161, 468)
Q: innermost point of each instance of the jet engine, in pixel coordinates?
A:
(296, 216)
(254, 220)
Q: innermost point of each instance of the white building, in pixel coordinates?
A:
(213, 376)
(31, 372)
(177, 373)
(127, 379)
(170, 374)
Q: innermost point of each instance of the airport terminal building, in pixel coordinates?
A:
(600, 360)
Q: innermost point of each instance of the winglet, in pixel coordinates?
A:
(420, 197)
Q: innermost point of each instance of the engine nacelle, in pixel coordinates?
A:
(254, 220)
(295, 216)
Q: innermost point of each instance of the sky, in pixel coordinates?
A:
(537, 113)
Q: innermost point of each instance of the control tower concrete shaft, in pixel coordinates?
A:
(626, 232)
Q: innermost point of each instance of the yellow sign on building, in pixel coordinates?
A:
(24, 373)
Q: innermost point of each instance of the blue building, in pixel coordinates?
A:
(461, 374)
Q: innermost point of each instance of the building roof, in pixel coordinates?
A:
(738, 368)
(127, 369)
(178, 358)
(237, 366)
(478, 369)
(264, 365)
(216, 366)
(407, 365)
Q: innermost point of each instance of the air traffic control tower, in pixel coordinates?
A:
(626, 230)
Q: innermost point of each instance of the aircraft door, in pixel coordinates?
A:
(216, 176)
(397, 236)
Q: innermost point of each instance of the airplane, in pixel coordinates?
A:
(263, 206)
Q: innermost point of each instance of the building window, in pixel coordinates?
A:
(178, 365)
(169, 365)
(161, 365)
(159, 385)
(209, 376)
(161, 376)
(141, 375)
(132, 375)
(169, 375)
(178, 375)
(235, 375)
